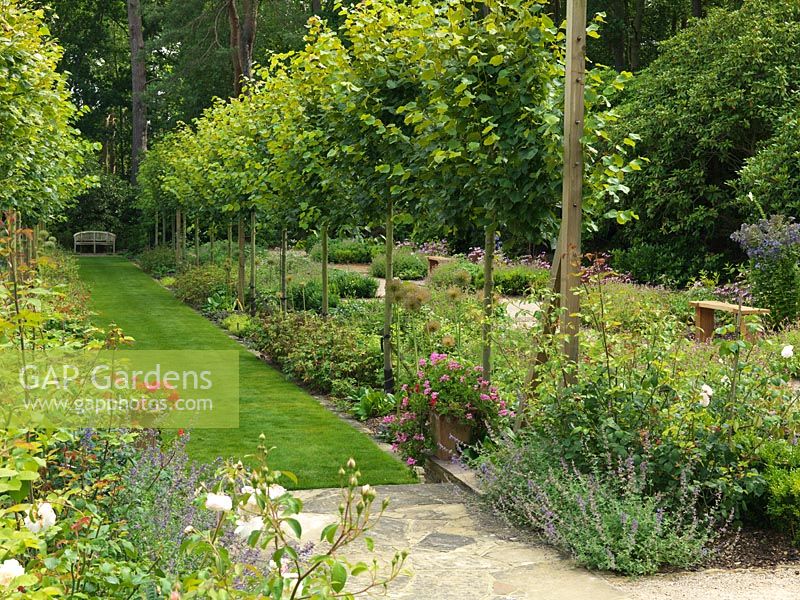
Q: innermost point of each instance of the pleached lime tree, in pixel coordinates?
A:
(372, 75)
(41, 152)
(489, 120)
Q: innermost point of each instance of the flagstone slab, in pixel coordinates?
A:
(457, 551)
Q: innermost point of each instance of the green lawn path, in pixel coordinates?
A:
(309, 440)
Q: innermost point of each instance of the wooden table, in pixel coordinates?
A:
(704, 316)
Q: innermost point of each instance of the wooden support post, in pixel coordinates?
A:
(570, 239)
(705, 323)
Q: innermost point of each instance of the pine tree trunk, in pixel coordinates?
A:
(388, 312)
(697, 8)
(139, 83)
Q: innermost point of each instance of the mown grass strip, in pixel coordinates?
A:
(308, 439)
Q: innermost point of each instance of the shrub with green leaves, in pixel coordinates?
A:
(158, 262)
(237, 324)
(197, 284)
(772, 177)
(307, 296)
(665, 263)
(325, 354)
(520, 280)
(783, 506)
(457, 273)
(407, 265)
(347, 251)
(348, 284)
(712, 99)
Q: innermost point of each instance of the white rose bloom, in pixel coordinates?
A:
(245, 527)
(218, 502)
(707, 390)
(45, 518)
(787, 352)
(276, 491)
(9, 571)
(705, 400)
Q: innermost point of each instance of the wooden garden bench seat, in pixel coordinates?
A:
(704, 316)
(95, 239)
(435, 261)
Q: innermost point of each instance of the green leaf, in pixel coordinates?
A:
(338, 577)
(294, 524)
(496, 60)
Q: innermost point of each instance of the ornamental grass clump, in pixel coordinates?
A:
(773, 246)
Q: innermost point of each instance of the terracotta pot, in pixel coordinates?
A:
(448, 434)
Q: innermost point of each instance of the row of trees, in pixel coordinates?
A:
(446, 112)
(41, 152)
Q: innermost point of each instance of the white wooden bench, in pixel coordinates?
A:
(95, 239)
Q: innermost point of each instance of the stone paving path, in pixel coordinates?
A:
(458, 552)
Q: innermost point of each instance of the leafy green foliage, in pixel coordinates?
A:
(307, 295)
(665, 263)
(606, 519)
(325, 354)
(783, 505)
(772, 175)
(407, 265)
(462, 274)
(158, 261)
(197, 284)
(369, 403)
(716, 94)
(41, 153)
(348, 284)
(518, 280)
(347, 251)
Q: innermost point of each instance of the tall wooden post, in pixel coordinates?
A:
(571, 210)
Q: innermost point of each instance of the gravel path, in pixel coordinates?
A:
(780, 583)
